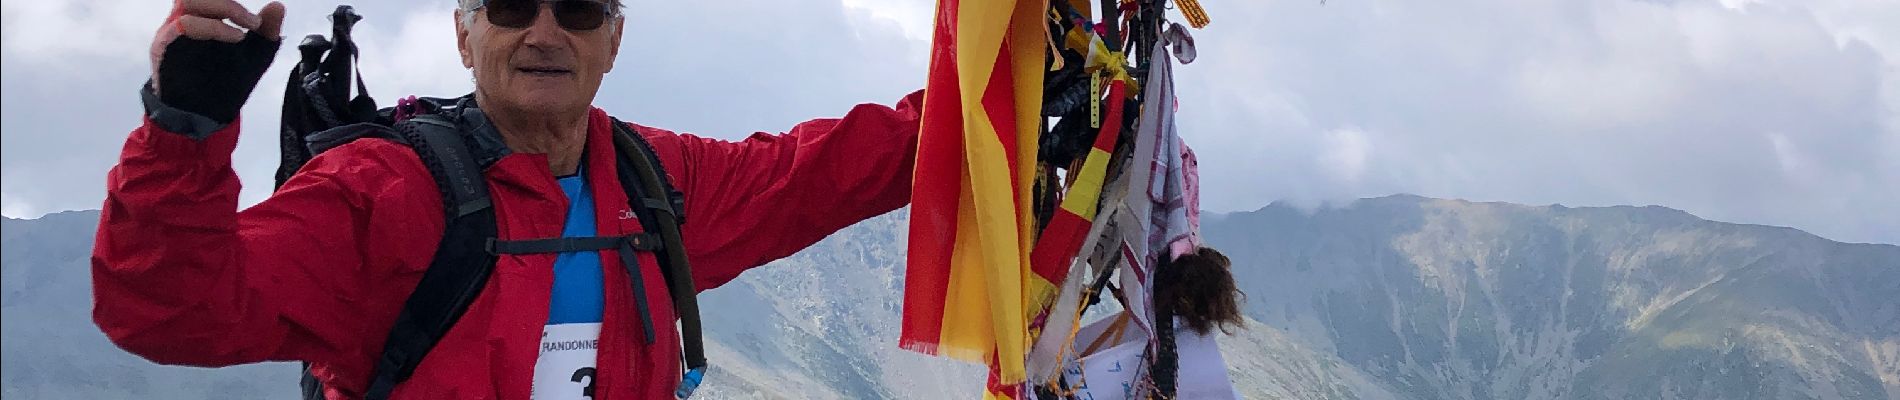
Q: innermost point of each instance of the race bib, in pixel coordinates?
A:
(565, 369)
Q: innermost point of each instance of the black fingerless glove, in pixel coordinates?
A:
(203, 83)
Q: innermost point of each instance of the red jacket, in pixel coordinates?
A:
(318, 271)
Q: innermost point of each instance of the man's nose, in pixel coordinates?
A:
(545, 30)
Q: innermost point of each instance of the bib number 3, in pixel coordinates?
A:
(585, 376)
(565, 369)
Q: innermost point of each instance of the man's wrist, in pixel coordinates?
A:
(169, 119)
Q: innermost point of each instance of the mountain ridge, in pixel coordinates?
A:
(1660, 210)
(1398, 297)
(1452, 299)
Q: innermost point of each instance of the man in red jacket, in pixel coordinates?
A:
(319, 271)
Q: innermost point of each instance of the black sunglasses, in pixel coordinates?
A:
(574, 15)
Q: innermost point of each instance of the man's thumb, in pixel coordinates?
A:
(272, 25)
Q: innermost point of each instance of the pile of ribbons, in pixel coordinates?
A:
(1018, 225)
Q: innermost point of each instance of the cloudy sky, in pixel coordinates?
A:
(1776, 112)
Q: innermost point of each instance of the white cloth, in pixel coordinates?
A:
(1112, 370)
(1203, 372)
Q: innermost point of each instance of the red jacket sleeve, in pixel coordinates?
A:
(180, 276)
(773, 194)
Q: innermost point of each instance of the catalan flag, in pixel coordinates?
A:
(971, 223)
(1058, 243)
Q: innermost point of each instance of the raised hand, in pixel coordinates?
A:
(203, 65)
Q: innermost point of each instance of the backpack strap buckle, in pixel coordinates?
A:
(639, 242)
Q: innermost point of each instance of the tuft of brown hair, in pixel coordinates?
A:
(1199, 288)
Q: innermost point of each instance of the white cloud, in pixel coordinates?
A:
(52, 32)
(1582, 103)
(1739, 5)
(15, 208)
(415, 55)
(1793, 163)
(914, 17)
(70, 99)
(1782, 112)
(1345, 155)
(1599, 92)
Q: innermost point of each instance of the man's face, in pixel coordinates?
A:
(542, 67)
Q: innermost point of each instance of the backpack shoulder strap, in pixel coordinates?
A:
(461, 266)
(662, 207)
(634, 148)
(319, 114)
(463, 261)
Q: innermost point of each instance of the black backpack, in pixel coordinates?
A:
(319, 114)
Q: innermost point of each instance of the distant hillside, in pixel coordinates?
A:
(1445, 299)
(1400, 297)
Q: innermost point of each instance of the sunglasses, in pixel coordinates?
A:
(574, 15)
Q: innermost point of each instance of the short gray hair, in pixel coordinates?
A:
(468, 9)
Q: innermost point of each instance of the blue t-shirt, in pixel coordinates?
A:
(565, 368)
(577, 282)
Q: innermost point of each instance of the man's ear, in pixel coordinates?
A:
(461, 40)
(620, 30)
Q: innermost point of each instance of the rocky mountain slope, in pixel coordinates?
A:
(1400, 297)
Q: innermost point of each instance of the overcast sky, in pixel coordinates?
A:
(1770, 111)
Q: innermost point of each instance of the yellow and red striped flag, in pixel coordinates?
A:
(1058, 243)
(971, 223)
